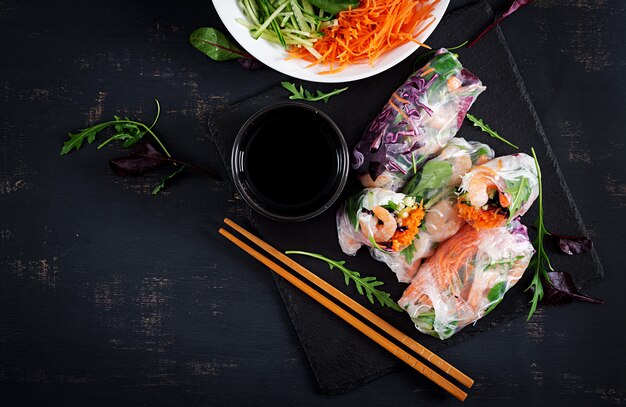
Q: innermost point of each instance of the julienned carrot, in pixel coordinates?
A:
(481, 219)
(368, 31)
(453, 254)
(449, 260)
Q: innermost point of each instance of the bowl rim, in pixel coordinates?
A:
(224, 9)
(342, 171)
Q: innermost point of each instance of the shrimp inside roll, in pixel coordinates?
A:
(495, 193)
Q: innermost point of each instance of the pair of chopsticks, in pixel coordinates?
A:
(358, 309)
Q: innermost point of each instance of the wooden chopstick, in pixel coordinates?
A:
(350, 319)
(358, 308)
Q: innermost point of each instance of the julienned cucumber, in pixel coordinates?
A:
(334, 6)
(291, 22)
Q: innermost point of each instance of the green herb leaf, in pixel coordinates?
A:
(364, 285)
(497, 291)
(216, 45)
(303, 94)
(76, 140)
(520, 191)
(391, 206)
(408, 253)
(484, 127)
(495, 296)
(540, 260)
(129, 131)
(334, 6)
(374, 244)
(161, 185)
(428, 53)
(434, 175)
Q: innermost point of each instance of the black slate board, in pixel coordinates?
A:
(340, 357)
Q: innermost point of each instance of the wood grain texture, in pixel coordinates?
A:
(111, 296)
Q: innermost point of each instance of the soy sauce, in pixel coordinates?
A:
(291, 160)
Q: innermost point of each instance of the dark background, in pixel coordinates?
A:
(109, 295)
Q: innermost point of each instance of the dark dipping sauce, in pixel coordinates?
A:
(293, 161)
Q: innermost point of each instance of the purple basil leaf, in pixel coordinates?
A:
(250, 64)
(572, 244)
(144, 158)
(517, 4)
(563, 290)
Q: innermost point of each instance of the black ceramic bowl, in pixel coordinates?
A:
(290, 162)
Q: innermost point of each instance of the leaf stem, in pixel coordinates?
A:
(540, 256)
(148, 129)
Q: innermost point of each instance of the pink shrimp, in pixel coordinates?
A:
(373, 227)
(479, 186)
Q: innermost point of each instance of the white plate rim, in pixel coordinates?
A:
(274, 56)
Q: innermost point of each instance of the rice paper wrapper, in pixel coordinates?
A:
(466, 278)
(446, 170)
(354, 218)
(420, 118)
(514, 177)
(434, 187)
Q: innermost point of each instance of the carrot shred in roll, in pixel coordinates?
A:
(369, 30)
(453, 255)
(481, 219)
(400, 240)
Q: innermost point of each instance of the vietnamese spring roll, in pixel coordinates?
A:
(419, 119)
(466, 278)
(378, 218)
(493, 194)
(446, 170)
(433, 191)
(434, 186)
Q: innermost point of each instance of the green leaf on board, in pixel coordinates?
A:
(364, 285)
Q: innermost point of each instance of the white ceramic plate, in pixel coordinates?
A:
(274, 55)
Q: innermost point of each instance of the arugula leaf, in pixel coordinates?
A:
(520, 191)
(408, 253)
(484, 127)
(76, 140)
(303, 94)
(144, 157)
(216, 45)
(540, 260)
(161, 185)
(128, 130)
(560, 286)
(434, 175)
(364, 285)
(334, 6)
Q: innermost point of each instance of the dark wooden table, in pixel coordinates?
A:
(112, 296)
